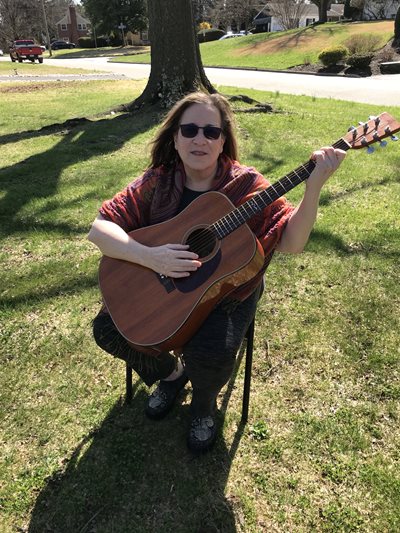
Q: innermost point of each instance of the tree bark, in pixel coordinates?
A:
(323, 11)
(176, 67)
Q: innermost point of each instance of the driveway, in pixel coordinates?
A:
(380, 90)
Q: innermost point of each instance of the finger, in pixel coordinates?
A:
(186, 255)
(176, 246)
(178, 274)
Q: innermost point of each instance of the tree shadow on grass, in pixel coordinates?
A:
(132, 474)
(38, 176)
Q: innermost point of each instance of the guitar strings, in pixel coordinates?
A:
(246, 210)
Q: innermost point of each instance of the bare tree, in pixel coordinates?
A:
(235, 12)
(176, 67)
(377, 9)
(202, 10)
(288, 12)
(21, 19)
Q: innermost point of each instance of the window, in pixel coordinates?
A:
(81, 27)
(63, 26)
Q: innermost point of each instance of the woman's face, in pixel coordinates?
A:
(199, 154)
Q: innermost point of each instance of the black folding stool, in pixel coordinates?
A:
(249, 339)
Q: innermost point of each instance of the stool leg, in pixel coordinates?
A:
(247, 375)
(128, 395)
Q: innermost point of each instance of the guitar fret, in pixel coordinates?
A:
(257, 203)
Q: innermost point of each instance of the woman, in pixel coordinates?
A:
(196, 151)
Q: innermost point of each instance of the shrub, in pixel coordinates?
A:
(85, 42)
(102, 41)
(88, 42)
(386, 55)
(204, 26)
(364, 43)
(209, 35)
(331, 56)
(115, 40)
(360, 61)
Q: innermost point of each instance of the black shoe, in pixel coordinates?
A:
(202, 434)
(163, 398)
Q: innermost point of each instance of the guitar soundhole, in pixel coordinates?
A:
(201, 241)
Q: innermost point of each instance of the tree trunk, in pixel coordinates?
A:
(323, 7)
(176, 67)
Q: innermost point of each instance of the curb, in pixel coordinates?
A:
(256, 69)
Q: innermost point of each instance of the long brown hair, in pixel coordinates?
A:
(163, 150)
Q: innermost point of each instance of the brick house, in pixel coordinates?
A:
(72, 26)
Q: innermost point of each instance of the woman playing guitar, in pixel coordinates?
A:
(195, 151)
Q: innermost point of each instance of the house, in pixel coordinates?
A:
(72, 26)
(137, 38)
(266, 21)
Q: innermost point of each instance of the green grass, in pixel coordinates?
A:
(35, 69)
(320, 451)
(280, 50)
(98, 52)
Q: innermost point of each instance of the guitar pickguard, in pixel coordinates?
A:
(200, 276)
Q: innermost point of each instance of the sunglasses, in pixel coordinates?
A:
(191, 130)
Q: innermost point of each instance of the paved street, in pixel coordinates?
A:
(381, 90)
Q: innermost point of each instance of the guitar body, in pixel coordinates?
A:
(156, 313)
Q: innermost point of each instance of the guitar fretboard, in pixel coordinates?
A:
(238, 216)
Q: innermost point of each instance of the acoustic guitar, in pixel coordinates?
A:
(155, 312)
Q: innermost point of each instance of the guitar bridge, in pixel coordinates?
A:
(167, 282)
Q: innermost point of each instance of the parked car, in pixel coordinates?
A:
(231, 36)
(61, 45)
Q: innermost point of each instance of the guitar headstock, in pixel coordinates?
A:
(375, 130)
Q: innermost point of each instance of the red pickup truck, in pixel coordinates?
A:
(25, 49)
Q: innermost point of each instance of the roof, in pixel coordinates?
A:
(79, 19)
(311, 10)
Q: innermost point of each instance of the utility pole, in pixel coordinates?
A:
(94, 35)
(46, 28)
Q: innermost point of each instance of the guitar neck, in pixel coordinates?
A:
(238, 216)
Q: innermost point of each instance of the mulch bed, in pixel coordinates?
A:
(388, 53)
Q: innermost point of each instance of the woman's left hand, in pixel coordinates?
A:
(327, 161)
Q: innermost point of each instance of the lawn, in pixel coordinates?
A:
(35, 69)
(321, 449)
(281, 50)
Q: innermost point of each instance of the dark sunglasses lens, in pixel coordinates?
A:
(189, 130)
(212, 132)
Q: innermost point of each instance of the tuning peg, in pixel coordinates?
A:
(370, 149)
(394, 138)
(351, 128)
(377, 138)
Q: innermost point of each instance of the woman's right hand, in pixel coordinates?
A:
(173, 260)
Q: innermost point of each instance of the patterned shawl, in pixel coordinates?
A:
(155, 197)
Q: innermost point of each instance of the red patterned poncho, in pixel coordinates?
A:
(155, 197)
